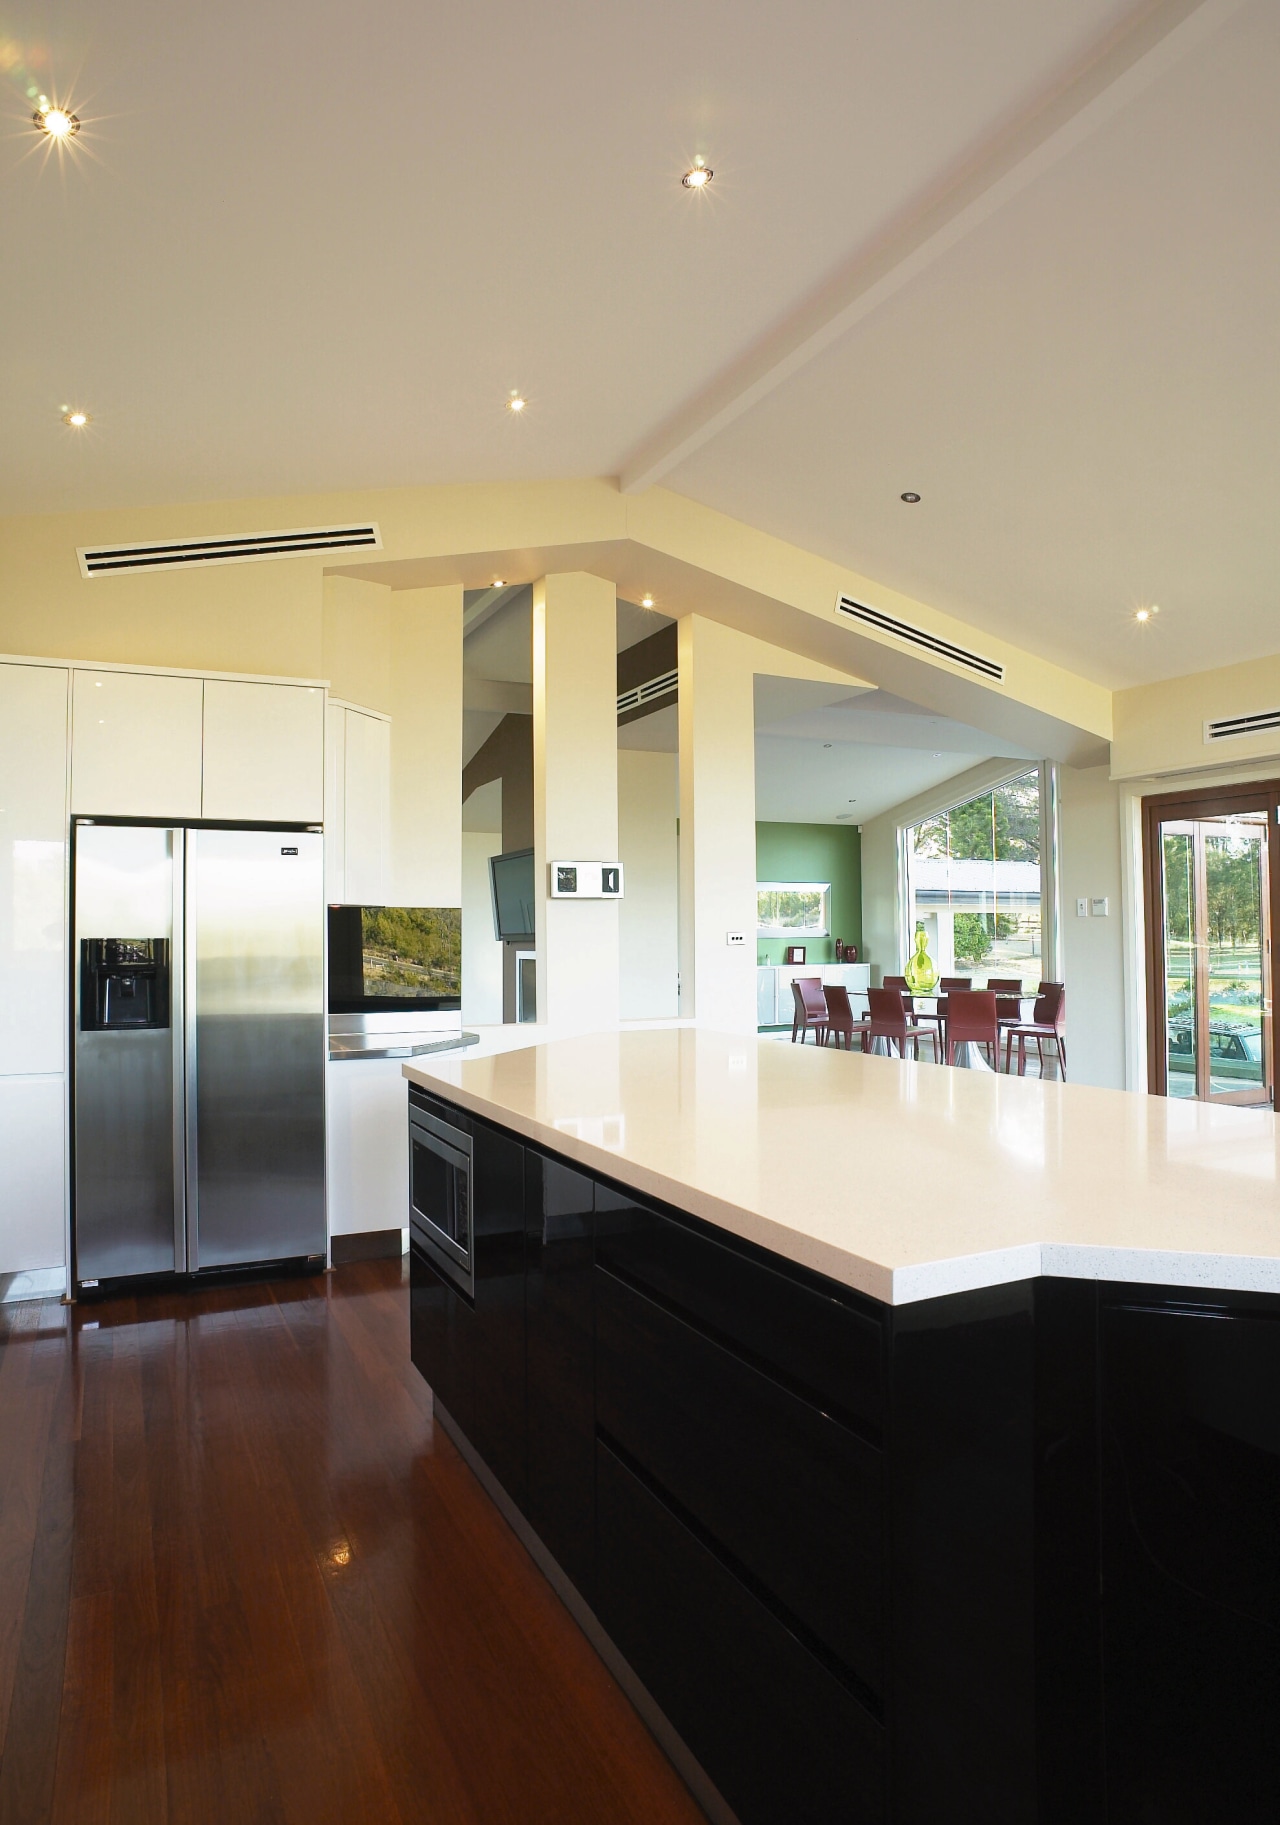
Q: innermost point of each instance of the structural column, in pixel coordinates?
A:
(575, 793)
(717, 826)
(426, 745)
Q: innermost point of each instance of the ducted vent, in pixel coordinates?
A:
(184, 554)
(645, 693)
(921, 639)
(1228, 727)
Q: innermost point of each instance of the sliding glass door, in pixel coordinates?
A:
(1209, 869)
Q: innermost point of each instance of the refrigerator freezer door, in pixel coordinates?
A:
(128, 1078)
(255, 1046)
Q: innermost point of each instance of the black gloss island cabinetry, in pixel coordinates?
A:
(1003, 1555)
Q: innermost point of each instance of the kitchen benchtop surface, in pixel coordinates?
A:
(905, 1181)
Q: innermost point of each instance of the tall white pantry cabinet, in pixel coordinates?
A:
(109, 741)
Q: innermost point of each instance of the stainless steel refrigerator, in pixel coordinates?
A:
(198, 1091)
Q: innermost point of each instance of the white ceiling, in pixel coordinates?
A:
(847, 760)
(303, 248)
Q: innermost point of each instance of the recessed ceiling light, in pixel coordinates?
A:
(498, 583)
(58, 123)
(826, 744)
(77, 418)
(699, 175)
(910, 498)
(646, 600)
(516, 401)
(1143, 615)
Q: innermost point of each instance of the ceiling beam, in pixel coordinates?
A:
(1115, 72)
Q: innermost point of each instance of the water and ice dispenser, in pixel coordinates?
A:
(124, 984)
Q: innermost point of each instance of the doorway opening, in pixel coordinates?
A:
(1211, 861)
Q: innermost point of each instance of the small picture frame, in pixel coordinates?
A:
(795, 953)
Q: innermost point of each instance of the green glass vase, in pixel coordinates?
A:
(921, 976)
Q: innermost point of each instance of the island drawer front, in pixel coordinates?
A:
(779, 1735)
(829, 1347)
(441, 1340)
(791, 1496)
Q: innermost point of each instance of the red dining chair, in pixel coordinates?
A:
(1008, 994)
(811, 1010)
(841, 1021)
(914, 1014)
(945, 986)
(971, 1020)
(891, 1022)
(1048, 1021)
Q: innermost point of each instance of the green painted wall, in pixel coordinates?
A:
(814, 852)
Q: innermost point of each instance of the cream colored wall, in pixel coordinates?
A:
(718, 667)
(648, 919)
(1093, 949)
(1159, 728)
(575, 793)
(356, 654)
(426, 746)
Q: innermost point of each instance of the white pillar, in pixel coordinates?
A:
(426, 746)
(575, 793)
(717, 827)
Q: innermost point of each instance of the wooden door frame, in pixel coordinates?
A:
(1203, 802)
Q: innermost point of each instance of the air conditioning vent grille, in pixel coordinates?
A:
(184, 554)
(1227, 728)
(661, 686)
(921, 639)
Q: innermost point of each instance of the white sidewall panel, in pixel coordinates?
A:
(367, 816)
(32, 1179)
(33, 871)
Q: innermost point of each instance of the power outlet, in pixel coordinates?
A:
(735, 939)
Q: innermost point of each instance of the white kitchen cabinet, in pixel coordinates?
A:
(32, 1173)
(263, 752)
(335, 798)
(33, 868)
(135, 744)
(368, 1150)
(367, 810)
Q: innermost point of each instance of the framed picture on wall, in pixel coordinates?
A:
(795, 954)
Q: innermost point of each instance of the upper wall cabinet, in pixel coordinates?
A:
(33, 835)
(135, 745)
(263, 752)
(357, 806)
(367, 811)
(335, 796)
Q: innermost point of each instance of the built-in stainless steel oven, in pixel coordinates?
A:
(440, 1161)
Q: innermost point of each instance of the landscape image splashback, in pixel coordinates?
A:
(412, 950)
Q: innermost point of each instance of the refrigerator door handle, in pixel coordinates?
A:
(191, 1200)
(177, 1016)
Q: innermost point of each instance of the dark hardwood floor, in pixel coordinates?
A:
(243, 1580)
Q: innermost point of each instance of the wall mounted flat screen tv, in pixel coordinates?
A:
(394, 959)
(511, 878)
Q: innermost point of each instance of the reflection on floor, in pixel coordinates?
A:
(242, 1578)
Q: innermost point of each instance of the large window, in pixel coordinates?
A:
(973, 879)
(792, 909)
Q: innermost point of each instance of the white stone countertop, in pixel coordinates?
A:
(905, 1181)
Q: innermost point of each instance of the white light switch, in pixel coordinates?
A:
(1099, 908)
(735, 938)
(1082, 909)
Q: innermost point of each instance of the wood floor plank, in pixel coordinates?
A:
(260, 1584)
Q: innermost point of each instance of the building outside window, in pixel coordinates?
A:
(974, 883)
